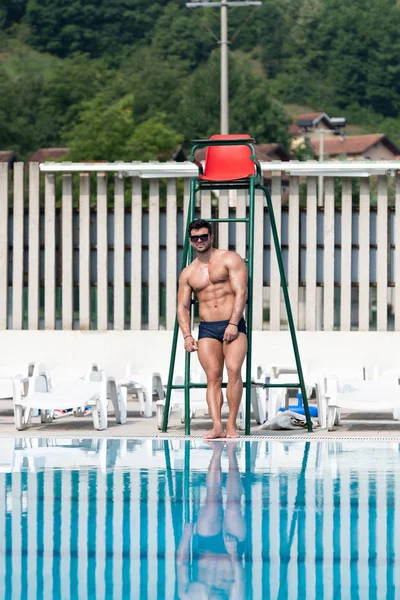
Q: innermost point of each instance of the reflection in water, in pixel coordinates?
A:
(173, 519)
(217, 538)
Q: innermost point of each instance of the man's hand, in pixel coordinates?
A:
(231, 333)
(190, 344)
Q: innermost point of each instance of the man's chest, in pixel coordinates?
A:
(211, 275)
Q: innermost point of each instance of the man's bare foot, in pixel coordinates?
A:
(231, 432)
(215, 433)
(216, 445)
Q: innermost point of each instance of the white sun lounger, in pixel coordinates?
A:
(198, 401)
(41, 393)
(197, 398)
(144, 383)
(366, 396)
(8, 373)
(258, 404)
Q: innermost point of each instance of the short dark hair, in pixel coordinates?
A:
(199, 224)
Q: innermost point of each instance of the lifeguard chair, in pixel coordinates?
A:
(230, 164)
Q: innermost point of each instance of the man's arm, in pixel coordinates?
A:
(183, 312)
(238, 279)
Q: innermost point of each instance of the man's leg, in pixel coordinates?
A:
(234, 524)
(234, 353)
(211, 358)
(209, 521)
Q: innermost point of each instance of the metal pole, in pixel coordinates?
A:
(185, 256)
(224, 69)
(249, 313)
(224, 4)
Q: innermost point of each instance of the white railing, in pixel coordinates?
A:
(73, 263)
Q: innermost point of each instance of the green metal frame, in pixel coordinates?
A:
(252, 184)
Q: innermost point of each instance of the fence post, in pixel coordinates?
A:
(18, 247)
(345, 278)
(275, 281)
(119, 254)
(3, 244)
(293, 238)
(223, 213)
(136, 254)
(154, 254)
(397, 255)
(50, 252)
(102, 252)
(311, 259)
(33, 252)
(329, 255)
(84, 252)
(67, 253)
(364, 257)
(382, 254)
(171, 254)
(258, 273)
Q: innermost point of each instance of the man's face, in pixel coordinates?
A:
(201, 239)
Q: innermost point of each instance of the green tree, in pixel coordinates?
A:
(63, 27)
(11, 12)
(23, 127)
(352, 52)
(157, 83)
(153, 140)
(177, 34)
(106, 130)
(252, 110)
(70, 82)
(102, 129)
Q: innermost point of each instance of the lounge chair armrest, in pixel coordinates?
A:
(197, 163)
(258, 166)
(17, 383)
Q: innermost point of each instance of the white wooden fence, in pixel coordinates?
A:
(67, 261)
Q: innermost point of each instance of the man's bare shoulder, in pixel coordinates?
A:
(232, 258)
(185, 273)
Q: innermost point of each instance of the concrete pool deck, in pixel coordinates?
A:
(376, 425)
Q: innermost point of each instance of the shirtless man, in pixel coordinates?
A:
(219, 280)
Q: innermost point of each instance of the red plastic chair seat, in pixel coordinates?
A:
(228, 163)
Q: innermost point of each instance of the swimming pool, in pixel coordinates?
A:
(176, 518)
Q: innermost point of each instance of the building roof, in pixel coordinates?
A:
(306, 121)
(314, 118)
(7, 156)
(294, 129)
(43, 154)
(356, 144)
(269, 150)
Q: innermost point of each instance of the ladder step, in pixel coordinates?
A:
(281, 385)
(229, 220)
(180, 386)
(254, 384)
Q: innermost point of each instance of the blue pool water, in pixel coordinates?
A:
(112, 518)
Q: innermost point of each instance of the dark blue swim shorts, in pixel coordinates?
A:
(216, 329)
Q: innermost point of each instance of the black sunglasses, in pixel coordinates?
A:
(199, 238)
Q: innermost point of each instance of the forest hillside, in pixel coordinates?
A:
(131, 79)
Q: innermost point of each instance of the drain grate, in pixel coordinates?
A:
(250, 438)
